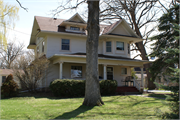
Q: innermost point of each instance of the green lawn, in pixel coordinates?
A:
(116, 107)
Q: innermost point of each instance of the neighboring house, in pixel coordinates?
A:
(4, 73)
(64, 44)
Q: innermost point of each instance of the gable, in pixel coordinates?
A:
(120, 29)
(76, 18)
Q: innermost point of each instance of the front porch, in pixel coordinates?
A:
(74, 67)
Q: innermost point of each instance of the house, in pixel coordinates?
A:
(64, 44)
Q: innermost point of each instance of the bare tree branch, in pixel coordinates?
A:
(22, 6)
(137, 56)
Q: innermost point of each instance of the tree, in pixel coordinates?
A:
(168, 38)
(8, 14)
(167, 49)
(9, 55)
(92, 89)
(9, 87)
(139, 14)
(31, 72)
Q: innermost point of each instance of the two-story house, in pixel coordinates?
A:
(64, 44)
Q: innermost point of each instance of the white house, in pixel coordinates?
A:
(64, 44)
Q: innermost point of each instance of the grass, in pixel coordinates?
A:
(116, 107)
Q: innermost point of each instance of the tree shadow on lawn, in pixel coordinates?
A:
(74, 113)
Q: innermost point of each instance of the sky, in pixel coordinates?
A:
(23, 26)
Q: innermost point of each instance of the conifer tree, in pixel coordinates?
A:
(166, 49)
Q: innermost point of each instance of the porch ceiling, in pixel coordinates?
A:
(102, 59)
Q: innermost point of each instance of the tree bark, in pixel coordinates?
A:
(92, 91)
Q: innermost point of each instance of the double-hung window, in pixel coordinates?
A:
(108, 46)
(119, 45)
(124, 71)
(65, 44)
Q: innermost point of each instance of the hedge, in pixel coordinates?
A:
(76, 88)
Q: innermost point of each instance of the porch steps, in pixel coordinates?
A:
(127, 90)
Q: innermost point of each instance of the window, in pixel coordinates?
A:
(108, 46)
(110, 73)
(75, 28)
(76, 71)
(119, 45)
(42, 46)
(128, 48)
(123, 71)
(3, 78)
(65, 44)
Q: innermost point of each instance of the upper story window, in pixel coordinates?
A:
(43, 46)
(108, 46)
(75, 28)
(65, 44)
(119, 45)
(128, 48)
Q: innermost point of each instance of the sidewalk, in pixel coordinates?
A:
(158, 91)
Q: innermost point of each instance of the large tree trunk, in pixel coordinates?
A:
(92, 92)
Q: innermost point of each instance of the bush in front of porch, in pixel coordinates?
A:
(76, 88)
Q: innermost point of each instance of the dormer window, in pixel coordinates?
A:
(75, 28)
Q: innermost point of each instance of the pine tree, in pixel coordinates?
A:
(166, 49)
(168, 38)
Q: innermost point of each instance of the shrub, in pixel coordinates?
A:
(68, 88)
(9, 88)
(108, 87)
(76, 88)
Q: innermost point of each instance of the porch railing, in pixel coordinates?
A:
(137, 84)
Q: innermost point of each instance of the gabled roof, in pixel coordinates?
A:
(48, 24)
(57, 26)
(109, 29)
(75, 17)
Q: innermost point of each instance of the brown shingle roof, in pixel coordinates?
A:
(51, 24)
(110, 27)
(48, 24)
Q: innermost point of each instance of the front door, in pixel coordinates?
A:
(110, 73)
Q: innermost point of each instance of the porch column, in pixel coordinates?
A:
(142, 77)
(60, 69)
(105, 76)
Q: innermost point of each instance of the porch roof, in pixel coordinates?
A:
(100, 57)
